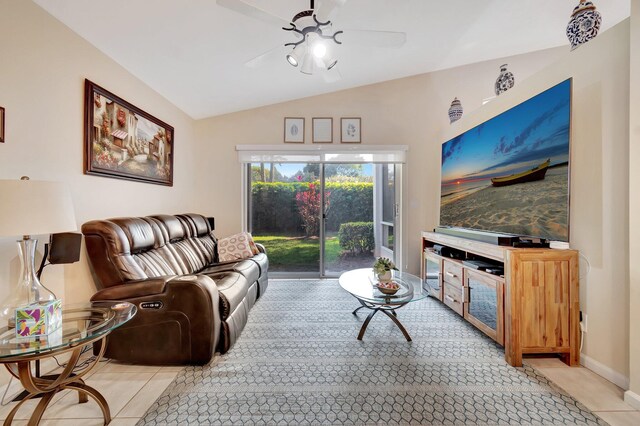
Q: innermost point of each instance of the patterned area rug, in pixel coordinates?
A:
(298, 363)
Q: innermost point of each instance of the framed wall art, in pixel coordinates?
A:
(2, 124)
(322, 130)
(124, 142)
(294, 130)
(350, 130)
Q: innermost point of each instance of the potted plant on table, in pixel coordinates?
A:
(383, 267)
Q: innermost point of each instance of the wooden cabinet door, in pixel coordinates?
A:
(433, 275)
(484, 303)
(542, 304)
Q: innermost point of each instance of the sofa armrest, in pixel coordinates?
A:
(133, 289)
(149, 287)
(187, 314)
(261, 248)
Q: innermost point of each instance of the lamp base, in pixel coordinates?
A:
(29, 289)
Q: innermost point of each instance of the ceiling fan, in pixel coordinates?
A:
(315, 47)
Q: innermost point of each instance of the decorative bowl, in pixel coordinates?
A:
(389, 287)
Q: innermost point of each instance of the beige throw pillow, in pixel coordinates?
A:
(236, 247)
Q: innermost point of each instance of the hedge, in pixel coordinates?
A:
(273, 205)
(357, 237)
(349, 202)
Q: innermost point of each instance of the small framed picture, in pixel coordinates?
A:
(1, 124)
(323, 130)
(350, 130)
(294, 130)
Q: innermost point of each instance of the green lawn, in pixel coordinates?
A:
(298, 253)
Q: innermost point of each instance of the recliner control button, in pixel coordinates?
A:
(151, 305)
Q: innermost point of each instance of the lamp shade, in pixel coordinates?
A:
(31, 207)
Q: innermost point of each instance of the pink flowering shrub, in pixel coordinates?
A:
(308, 203)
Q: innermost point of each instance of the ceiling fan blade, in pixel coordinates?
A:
(277, 53)
(373, 38)
(253, 12)
(333, 75)
(328, 9)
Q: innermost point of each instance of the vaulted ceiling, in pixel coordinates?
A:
(194, 52)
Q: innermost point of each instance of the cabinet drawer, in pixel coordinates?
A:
(452, 273)
(453, 297)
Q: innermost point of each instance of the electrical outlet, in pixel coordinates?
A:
(583, 324)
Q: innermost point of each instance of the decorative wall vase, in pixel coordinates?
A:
(455, 111)
(505, 80)
(584, 24)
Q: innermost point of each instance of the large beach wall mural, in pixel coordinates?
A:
(511, 173)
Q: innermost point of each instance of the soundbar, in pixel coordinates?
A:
(483, 236)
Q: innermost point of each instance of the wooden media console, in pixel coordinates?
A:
(532, 308)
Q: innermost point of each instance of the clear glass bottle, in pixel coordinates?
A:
(29, 289)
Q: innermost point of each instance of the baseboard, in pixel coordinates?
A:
(607, 372)
(633, 399)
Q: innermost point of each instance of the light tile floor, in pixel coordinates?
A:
(130, 390)
(599, 395)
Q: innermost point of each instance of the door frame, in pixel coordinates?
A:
(378, 201)
(395, 154)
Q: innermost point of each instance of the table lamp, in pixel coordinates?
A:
(31, 207)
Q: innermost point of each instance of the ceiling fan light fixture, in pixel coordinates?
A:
(319, 49)
(296, 55)
(330, 63)
(307, 64)
(292, 60)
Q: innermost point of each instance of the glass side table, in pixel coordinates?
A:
(82, 325)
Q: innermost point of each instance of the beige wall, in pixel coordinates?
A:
(633, 396)
(44, 65)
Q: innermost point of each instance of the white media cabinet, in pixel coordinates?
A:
(534, 308)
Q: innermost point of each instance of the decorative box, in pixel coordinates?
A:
(41, 342)
(39, 319)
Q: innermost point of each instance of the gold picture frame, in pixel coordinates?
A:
(124, 142)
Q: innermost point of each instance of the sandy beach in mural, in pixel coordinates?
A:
(532, 208)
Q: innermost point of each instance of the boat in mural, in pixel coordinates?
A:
(537, 173)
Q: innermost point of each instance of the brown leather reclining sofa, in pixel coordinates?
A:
(189, 305)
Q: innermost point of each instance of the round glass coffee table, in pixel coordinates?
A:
(82, 325)
(361, 284)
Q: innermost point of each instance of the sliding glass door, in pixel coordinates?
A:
(321, 219)
(349, 241)
(284, 214)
